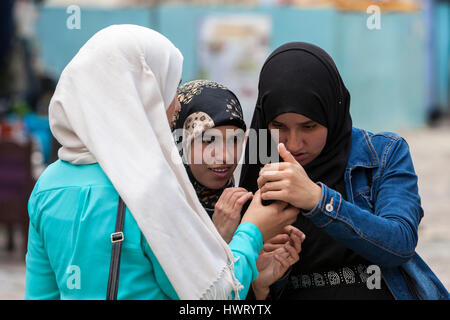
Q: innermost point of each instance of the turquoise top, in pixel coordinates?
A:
(72, 212)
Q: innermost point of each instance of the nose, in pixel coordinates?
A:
(223, 154)
(294, 142)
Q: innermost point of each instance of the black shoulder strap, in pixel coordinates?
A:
(116, 239)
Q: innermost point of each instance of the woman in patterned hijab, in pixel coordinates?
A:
(210, 131)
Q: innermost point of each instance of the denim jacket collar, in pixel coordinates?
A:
(362, 153)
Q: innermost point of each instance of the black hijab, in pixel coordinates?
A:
(205, 104)
(302, 78)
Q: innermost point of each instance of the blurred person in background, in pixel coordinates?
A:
(357, 191)
(25, 89)
(111, 112)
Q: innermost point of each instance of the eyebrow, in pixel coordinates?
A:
(298, 124)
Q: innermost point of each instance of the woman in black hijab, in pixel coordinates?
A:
(314, 89)
(357, 191)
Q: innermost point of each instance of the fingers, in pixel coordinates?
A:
(229, 192)
(257, 195)
(296, 243)
(289, 234)
(269, 247)
(256, 200)
(231, 196)
(280, 238)
(293, 254)
(226, 194)
(276, 242)
(282, 261)
(276, 166)
(293, 230)
(281, 195)
(273, 186)
(237, 195)
(296, 237)
(287, 253)
(288, 229)
(268, 176)
(243, 198)
(285, 154)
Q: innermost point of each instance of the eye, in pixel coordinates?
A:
(310, 126)
(277, 125)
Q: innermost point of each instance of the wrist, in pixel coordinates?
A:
(260, 293)
(225, 233)
(316, 195)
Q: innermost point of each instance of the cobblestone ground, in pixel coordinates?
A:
(430, 149)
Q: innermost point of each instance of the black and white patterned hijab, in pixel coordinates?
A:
(204, 105)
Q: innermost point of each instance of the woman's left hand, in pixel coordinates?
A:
(287, 181)
(272, 264)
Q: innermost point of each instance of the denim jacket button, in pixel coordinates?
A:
(329, 207)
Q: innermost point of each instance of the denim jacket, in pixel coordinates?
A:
(381, 216)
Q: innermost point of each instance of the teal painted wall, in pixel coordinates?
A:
(58, 44)
(180, 25)
(442, 53)
(384, 69)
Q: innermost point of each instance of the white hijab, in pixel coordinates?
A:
(109, 107)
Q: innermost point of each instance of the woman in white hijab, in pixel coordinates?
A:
(109, 112)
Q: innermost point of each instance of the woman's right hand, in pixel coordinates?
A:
(276, 257)
(270, 219)
(289, 234)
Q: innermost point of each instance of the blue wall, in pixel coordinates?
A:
(384, 69)
(287, 25)
(442, 52)
(58, 44)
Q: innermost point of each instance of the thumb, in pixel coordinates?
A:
(285, 154)
(257, 196)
